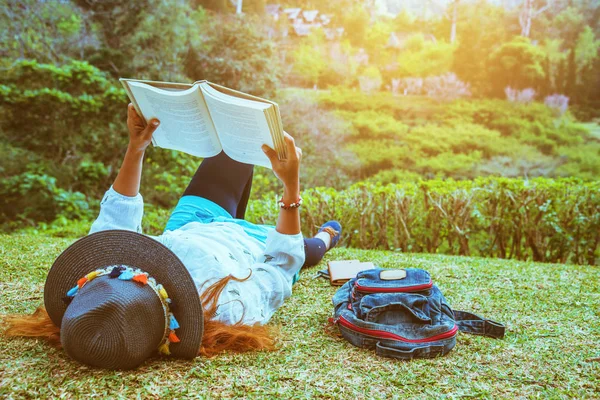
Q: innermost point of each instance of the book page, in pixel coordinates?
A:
(241, 125)
(185, 124)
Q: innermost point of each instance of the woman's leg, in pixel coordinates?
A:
(223, 181)
(327, 237)
(314, 250)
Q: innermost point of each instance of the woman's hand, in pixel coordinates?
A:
(140, 134)
(287, 171)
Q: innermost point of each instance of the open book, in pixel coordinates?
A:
(204, 118)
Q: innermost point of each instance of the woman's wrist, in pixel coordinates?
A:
(133, 151)
(291, 192)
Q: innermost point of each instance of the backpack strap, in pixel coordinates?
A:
(475, 325)
(418, 352)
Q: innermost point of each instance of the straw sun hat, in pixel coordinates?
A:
(119, 297)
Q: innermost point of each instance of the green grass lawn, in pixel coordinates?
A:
(551, 348)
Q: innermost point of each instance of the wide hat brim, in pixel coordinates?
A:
(115, 247)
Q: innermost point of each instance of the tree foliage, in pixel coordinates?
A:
(518, 64)
(422, 58)
(236, 55)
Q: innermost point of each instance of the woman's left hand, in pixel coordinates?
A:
(287, 171)
(140, 134)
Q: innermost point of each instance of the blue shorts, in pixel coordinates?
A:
(199, 209)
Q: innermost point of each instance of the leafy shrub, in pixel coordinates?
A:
(55, 111)
(387, 177)
(448, 164)
(403, 108)
(461, 138)
(377, 155)
(373, 124)
(540, 219)
(33, 196)
(533, 123)
(521, 164)
(582, 161)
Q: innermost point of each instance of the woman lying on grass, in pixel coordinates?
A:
(209, 283)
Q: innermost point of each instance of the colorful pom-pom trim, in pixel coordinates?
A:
(124, 273)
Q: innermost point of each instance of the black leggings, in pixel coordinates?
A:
(228, 183)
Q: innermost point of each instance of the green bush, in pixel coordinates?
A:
(432, 140)
(403, 108)
(461, 139)
(376, 155)
(33, 197)
(373, 124)
(60, 112)
(540, 219)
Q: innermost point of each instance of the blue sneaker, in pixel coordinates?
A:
(334, 229)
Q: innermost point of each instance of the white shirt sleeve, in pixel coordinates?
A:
(118, 211)
(285, 252)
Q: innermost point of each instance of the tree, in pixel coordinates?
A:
(45, 31)
(378, 35)
(236, 54)
(586, 51)
(528, 13)
(309, 63)
(422, 58)
(454, 20)
(146, 39)
(355, 23)
(518, 64)
(555, 59)
(477, 41)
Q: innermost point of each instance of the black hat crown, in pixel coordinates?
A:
(112, 323)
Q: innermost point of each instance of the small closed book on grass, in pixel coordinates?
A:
(203, 118)
(342, 271)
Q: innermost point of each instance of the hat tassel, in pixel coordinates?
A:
(164, 349)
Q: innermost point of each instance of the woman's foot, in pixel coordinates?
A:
(330, 233)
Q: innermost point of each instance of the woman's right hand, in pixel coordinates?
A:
(287, 171)
(140, 133)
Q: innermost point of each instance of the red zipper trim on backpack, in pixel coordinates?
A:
(388, 335)
(370, 289)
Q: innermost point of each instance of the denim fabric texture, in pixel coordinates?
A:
(402, 318)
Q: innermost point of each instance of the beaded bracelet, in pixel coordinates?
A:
(297, 204)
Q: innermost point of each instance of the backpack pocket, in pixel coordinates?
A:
(371, 281)
(406, 309)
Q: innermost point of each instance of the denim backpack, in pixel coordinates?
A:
(402, 314)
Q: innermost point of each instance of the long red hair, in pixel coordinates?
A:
(218, 336)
